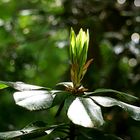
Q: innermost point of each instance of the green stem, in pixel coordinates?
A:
(59, 109)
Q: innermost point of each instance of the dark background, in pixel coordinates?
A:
(34, 41)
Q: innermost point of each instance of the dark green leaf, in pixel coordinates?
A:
(60, 100)
(68, 102)
(32, 130)
(84, 112)
(112, 137)
(116, 94)
(34, 99)
(134, 111)
(59, 97)
(95, 134)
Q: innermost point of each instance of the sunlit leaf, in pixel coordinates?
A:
(66, 84)
(32, 130)
(21, 86)
(2, 85)
(10, 134)
(78, 55)
(34, 99)
(84, 112)
(116, 94)
(134, 111)
(72, 45)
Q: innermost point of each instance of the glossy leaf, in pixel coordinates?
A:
(72, 46)
(134, 111)
(116, 94)
(32, 130)
(78, 55)
(59, 97)
(21, 86)
(34, 99)
(84, 112)
(65, 84)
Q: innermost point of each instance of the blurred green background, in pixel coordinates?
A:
(34, 41)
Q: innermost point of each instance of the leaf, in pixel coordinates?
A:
(21, 86)
(66, 84)
(72, 46)
(34, 99)
(112, 137)
(95, 134)
(134, 111)
(10, 135)
(2, 86)
(32, 130)
(84, 112)
(110, 92)
(59, 97)
(68, 102)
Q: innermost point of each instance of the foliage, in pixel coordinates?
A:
(33, 49)
(78, 100)
(78, 55)
(33, 130)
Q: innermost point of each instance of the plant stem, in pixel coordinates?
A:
(72, 131)
(59, 109)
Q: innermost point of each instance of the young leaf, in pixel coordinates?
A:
(78, 55)
(72, 46)
(84, 112)
(32, 130)
(134, 111)
(2, 85)
(116, 94)
(21, 86)
(34, 99)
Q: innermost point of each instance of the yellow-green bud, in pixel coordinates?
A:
(78, 55)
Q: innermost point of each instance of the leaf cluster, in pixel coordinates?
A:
(88, 104)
